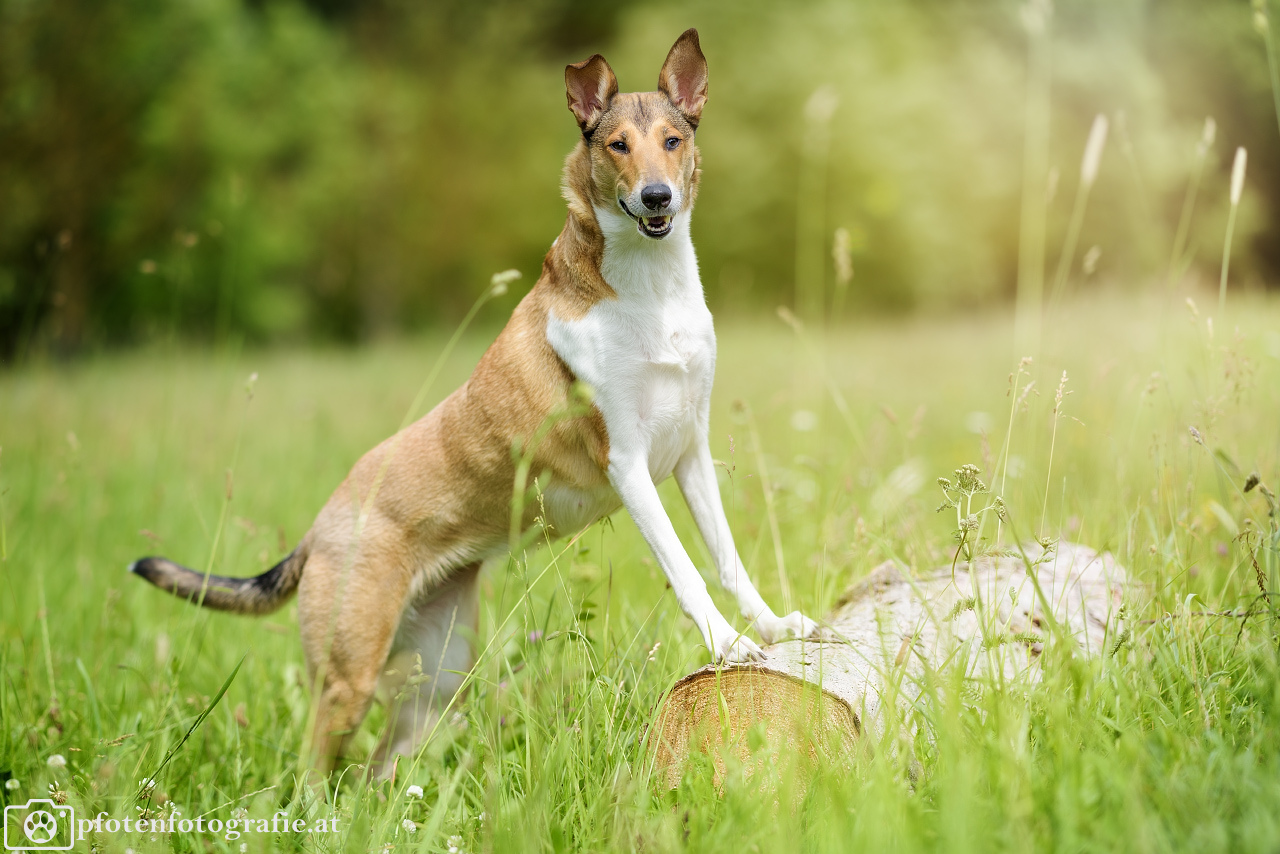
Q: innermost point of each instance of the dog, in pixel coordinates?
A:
(388, 571)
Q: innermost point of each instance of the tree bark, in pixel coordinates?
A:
(891, 629)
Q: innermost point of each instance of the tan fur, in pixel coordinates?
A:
(410, 524)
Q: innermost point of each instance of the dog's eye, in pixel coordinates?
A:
(619, 146)
(673, 142)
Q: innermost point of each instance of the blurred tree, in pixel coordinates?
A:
(74, 77)
(328, 168)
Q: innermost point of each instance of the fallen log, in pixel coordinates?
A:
(895, 629)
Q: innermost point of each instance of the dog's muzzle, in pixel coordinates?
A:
(656, 227)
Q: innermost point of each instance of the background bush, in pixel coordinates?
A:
(337, 169)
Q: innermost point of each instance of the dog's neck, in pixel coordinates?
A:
(635, 265)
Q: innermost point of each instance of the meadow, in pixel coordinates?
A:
(219, 458)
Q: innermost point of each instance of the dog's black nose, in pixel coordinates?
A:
(656, 196)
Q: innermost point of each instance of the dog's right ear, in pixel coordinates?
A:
(590, 86)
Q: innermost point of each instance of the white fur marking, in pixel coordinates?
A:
(650, 354)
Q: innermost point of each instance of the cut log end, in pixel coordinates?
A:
(734, 711)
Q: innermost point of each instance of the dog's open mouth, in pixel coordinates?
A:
(650, 226)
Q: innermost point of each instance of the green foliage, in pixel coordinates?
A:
(337, 169)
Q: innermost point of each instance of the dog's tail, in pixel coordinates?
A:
(259, 594)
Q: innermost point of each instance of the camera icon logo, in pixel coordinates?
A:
(39, 825)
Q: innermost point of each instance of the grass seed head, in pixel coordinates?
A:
(821, 105)
(1035, 15)
(1237, 175)
(1207, 136)
(840, 254)
(499, 282)
(1089, 264)
(1093, 150)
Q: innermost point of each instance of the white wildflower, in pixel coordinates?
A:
(978, 423)
(803, 421)
(455, 844)
(413, 792)
(57, 760)
(409, 826)
(12, 784)
(1016, 466)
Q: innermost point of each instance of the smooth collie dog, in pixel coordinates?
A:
(388, 571)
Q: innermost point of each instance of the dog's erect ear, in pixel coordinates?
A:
(590, 86)
(683, 77)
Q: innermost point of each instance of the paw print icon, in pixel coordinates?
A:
(39, 825)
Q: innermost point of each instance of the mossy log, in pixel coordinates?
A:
(893, 628)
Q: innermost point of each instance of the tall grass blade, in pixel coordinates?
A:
(1036, 17)
(173, 751)
(811, 204)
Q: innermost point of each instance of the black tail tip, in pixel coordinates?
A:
(146, 567)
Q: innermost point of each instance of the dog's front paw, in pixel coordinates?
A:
(794, 625)
(733, 648)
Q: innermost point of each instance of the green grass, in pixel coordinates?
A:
(1170, 743)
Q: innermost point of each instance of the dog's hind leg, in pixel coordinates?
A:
(436, 635)
(348, 610)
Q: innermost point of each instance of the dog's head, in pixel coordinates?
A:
(643, 159)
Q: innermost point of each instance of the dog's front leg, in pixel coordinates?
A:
(696, 474)
(635, 487)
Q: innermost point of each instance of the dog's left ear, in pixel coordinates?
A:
(683, 78)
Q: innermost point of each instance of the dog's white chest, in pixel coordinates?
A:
(649, 355)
